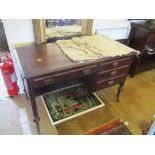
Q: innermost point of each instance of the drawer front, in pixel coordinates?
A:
(109, 82)
(112, 73)
(64, 76)
(115, 64)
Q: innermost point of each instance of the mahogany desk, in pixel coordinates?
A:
(45, 68)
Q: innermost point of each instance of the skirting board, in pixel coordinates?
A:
(68, 118)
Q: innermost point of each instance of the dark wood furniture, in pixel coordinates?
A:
(45, 68)
(3, 40)
(114, 127)
(142, 38)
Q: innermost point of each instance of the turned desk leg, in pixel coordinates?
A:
(32, 99)
(36, 121)
(119, 90)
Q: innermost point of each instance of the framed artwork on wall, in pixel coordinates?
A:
(50, 30)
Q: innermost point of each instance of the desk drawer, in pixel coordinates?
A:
(64, 76)
(116, 63)
(109, 82)
(112, 73)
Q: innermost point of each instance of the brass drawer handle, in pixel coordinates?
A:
(86, 71)
(113, 73)
(115, 64)
(110, 82)
(48, 81)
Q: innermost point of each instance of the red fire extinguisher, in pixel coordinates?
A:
(9, 74)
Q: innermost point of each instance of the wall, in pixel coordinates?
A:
(115, 28)
(18, 31)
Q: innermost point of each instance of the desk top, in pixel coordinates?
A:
(42, 59)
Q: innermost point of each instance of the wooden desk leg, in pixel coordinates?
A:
(119, 90)
(32, 99)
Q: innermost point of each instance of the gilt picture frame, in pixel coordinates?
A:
(40, 29)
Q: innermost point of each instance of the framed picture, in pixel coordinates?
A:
(50, 30)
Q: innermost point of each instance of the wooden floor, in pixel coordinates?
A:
(136, 107)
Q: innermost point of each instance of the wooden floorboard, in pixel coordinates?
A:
(136, 107)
